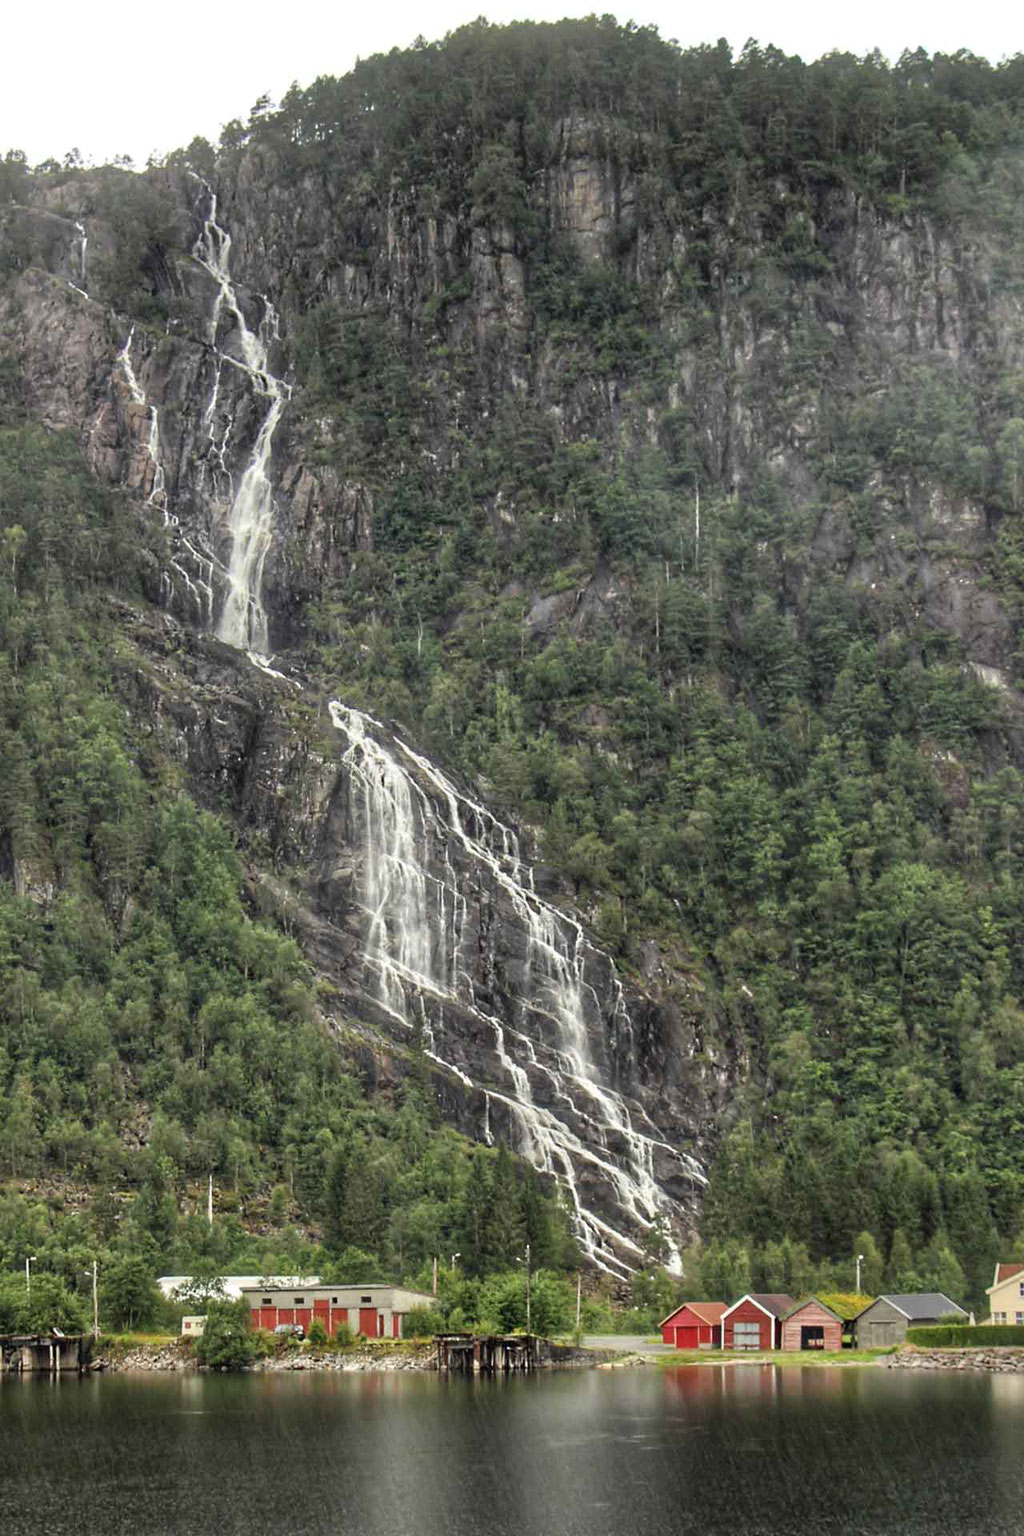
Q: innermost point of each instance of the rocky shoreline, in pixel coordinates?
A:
(1003, 1359)
(177, 1356)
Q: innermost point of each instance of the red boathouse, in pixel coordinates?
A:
(755, 1321)
(694, 1325)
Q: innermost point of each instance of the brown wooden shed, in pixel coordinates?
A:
(812, 1325)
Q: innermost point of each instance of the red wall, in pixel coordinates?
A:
(331, 1317)
(748, 1312)
(691, 1335)
(685, 1330)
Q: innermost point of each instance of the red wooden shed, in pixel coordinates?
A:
(694, 1325)
(812, 1325)
(755, 1321)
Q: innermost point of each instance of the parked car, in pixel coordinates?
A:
(295, 1329)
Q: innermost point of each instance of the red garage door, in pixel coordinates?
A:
(368, 1321)
(687, 1337)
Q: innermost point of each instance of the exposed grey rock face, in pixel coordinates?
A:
(898, 290)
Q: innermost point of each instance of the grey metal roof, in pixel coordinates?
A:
(923, 1304)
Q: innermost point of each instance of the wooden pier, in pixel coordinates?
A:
(50, 1354)
(490, 1354)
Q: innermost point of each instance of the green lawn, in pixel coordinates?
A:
(771, 1357)
(125, 1341)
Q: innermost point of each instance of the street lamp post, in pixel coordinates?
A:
(526, 1261)
(860, 1259)
(529, 1330)
(28, 1276)
(92, 1274)
(454, 1257)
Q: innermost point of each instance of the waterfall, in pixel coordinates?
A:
(416, 828)
(83, 245)
(243, 619)
(157, 495)
(199, 589)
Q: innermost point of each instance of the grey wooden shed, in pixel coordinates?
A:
(886, 1321)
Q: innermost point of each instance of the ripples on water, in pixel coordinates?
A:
(702, 1450)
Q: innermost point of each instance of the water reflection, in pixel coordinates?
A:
(694, 1449)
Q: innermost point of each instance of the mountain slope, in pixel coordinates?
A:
(649, 446)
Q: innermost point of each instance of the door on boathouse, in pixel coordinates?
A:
(812, 1325)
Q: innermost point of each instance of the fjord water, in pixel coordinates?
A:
(701, 1450)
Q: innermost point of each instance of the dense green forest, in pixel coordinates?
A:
(791, 780)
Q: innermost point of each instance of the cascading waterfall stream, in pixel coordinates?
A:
(420, 837)
(157, 495)
(412, 818)
(200, 590)
(243, 619)
(83, 246)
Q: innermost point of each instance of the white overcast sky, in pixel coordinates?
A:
(124, 76)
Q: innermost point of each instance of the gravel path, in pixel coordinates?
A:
(625, 1344)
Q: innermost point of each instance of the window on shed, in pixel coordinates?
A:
(365, 1301)
(1020, 1288)
(268, 1301)
(334, 1301)
(299, 1302)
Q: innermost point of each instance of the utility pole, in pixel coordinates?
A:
(529, 1330)
(28, 1277)
(95, 1304)
(209, 1204)
(579, 1299)
(433, 1287)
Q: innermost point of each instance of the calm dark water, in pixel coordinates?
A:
(746, 1450)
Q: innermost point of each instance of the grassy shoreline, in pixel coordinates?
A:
(783, 1357)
